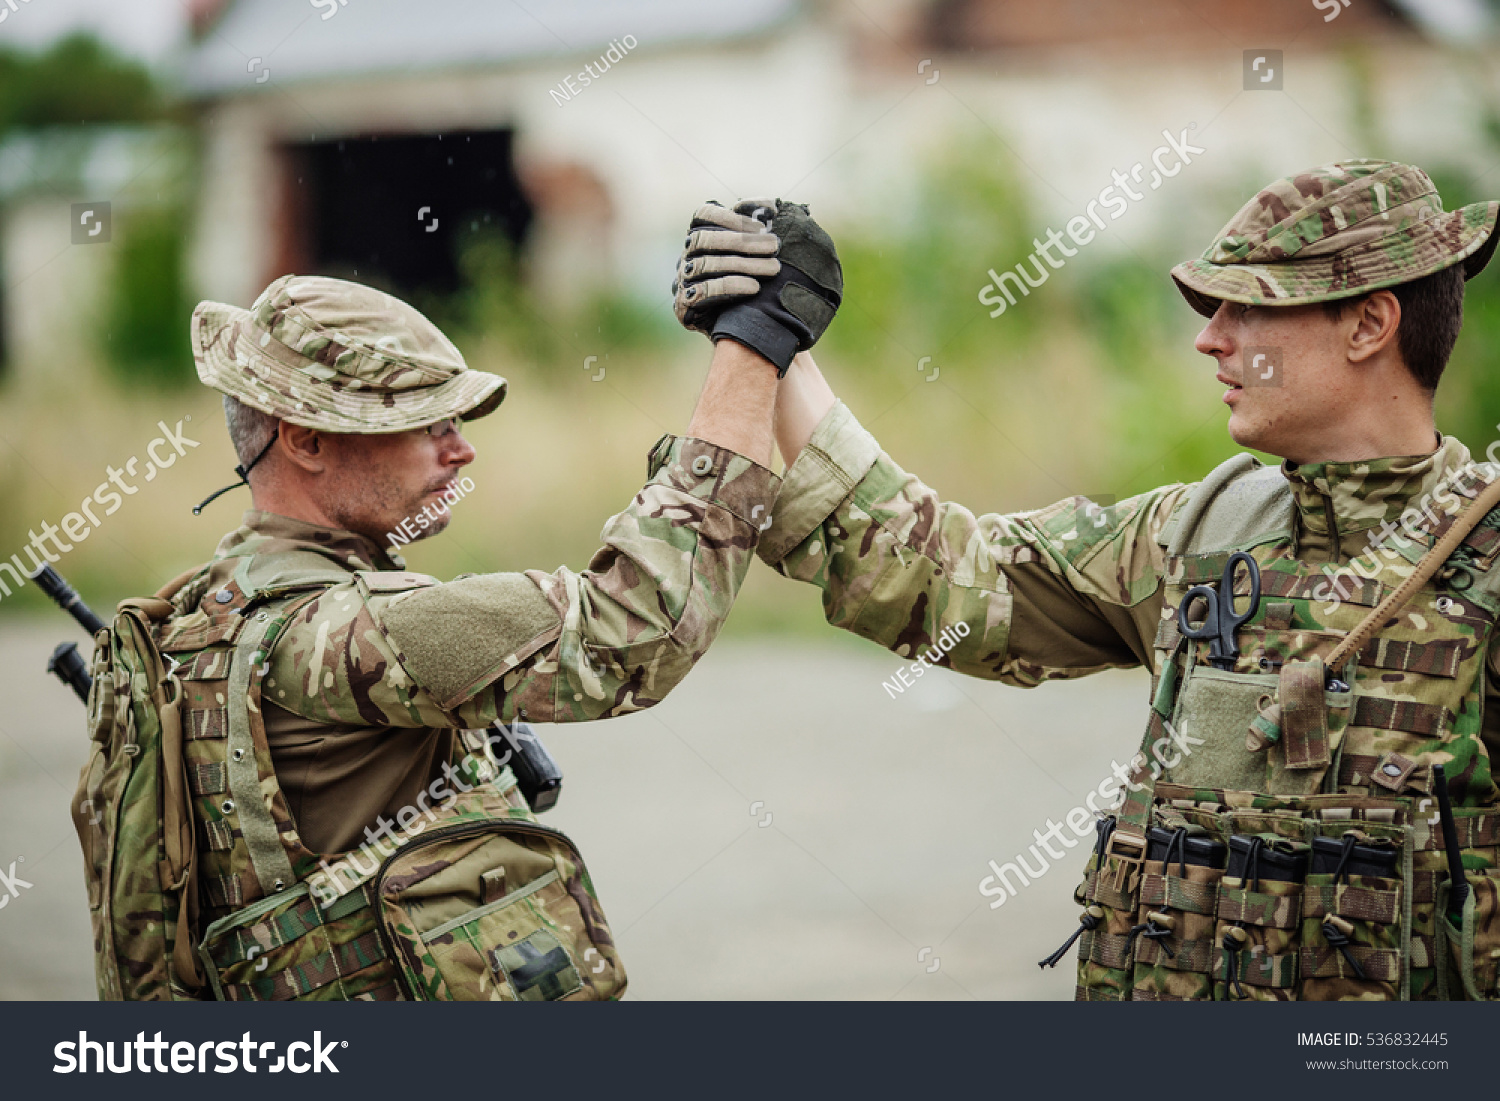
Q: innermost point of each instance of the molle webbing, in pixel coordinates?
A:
(1485, 540)
(207, 779)
(1350, 588)
(1387, 714)
(1440, 658)
(273, 868)
(1462, 524)
(326, 951)
(1410, 643)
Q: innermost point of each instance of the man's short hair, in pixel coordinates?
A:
(249, 429)
(1432, 312)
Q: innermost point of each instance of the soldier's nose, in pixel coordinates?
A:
(1212, 340)
(462, 453)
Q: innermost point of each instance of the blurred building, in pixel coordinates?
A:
(374, 138)
(385, 131)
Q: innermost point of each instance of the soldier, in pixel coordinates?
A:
(1282, 831)
(350, 832)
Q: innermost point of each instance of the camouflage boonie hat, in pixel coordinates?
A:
(340, 357)
(1334, 232)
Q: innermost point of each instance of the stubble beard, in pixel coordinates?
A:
(375, 505)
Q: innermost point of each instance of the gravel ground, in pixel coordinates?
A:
(781, 827)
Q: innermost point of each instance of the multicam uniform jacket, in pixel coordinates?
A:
(313, 680)
(397, 649)
(1074, 588)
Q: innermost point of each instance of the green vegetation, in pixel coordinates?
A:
(1085, 386)
(79, 81)
(1468, 402)
(497, 310)
(146, 339)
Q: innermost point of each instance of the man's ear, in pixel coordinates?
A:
(1376, 319)
(303, 447)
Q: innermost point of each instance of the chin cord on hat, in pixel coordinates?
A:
(242, 471)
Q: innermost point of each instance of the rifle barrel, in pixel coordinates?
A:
(51, 582)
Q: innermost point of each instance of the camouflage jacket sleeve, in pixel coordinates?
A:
(401, 649)
(1059, 592)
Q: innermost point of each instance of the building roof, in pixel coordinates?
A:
(307, 40)
(1011, 26)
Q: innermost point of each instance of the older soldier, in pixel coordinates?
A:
(357, 836)
(1283, 831)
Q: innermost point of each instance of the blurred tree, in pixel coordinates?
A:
(496, 307)
(146, 332)
(494, 303)
(79, 80)
(911, 282)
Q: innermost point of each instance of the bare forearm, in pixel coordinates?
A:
(802, 401)
(737, 404)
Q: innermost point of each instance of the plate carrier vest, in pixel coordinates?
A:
(1266, 752)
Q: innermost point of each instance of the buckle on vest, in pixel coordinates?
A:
(1121, 841)
(1130, 849)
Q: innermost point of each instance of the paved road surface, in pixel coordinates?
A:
(781, 827)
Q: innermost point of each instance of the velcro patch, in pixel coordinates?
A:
(454, 638)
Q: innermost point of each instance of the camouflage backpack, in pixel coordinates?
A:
(200, 887)
(131, 818)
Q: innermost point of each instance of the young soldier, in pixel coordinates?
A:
(1291, 788)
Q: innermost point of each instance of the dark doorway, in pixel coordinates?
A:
(396, 211)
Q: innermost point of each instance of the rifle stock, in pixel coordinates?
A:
(66, 663)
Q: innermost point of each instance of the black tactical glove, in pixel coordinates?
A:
(793, 307)
(724, 255)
